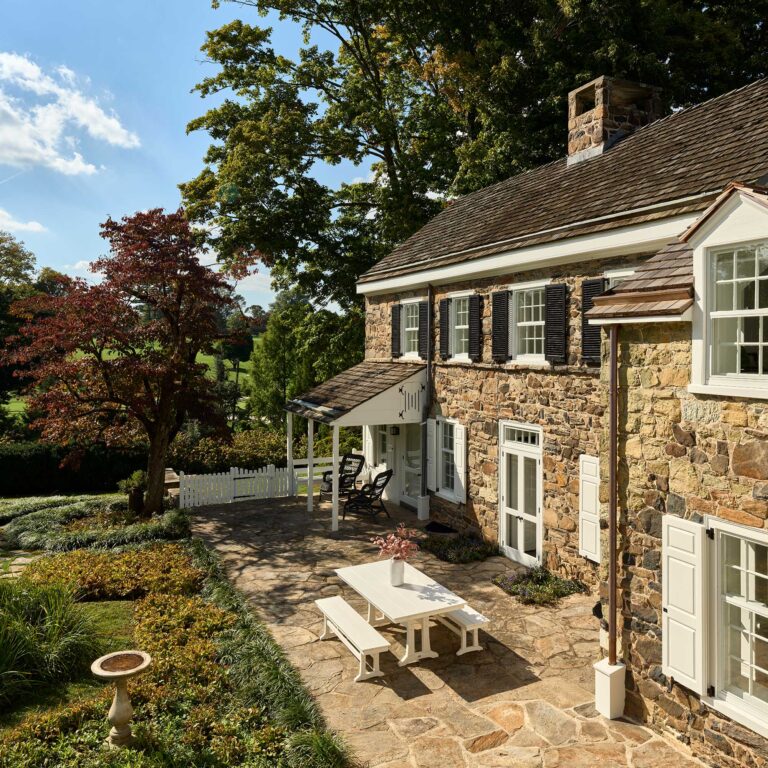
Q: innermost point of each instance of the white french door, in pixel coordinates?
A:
(520, 492)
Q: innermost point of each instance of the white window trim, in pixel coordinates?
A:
(702, 382)
(442, 492)
(409, 355)
(741, 712)
(463, 357)
(523, 360)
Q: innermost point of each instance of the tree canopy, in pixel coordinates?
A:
(116, 362)
(437, 98)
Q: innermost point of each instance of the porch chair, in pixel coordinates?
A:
(368, 499)
(350, 467)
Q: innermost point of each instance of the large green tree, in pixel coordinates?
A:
(434, 99)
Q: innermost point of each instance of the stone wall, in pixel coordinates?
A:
(565, 400)
(685, 455)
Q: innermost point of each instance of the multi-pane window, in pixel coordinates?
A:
(411, 328)
(739, 311)
(527, 332)
(743, 646)
(447, 457)
(460, 326)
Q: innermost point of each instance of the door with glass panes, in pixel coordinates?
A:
(520, 492)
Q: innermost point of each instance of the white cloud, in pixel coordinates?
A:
(41, 115)
(9, 224)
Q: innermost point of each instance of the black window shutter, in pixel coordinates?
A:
(424, 330)
(556, 323)
(396, 348)
(590, 334)
(445, 328)
(500, 326)
(475, 328)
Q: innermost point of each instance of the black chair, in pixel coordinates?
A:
(368, 498)
(350, 467)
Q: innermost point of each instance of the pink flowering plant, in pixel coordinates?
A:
(398, 545)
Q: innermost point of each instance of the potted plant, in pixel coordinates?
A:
(397, 546)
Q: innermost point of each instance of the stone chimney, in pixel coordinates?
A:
(603, 111)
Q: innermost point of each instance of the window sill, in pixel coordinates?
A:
(751, 390)
(522, 363)
(447, 496)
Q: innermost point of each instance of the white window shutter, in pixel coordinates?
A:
(460, 462)
(682, 594)
(589, 507)
(369, 446)
(431, 454)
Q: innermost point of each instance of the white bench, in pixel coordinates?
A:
(463, 622)
(355, 632)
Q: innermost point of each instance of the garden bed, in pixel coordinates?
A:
(219, 692)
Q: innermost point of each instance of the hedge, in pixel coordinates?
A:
(34, 469)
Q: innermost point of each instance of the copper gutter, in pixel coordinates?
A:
(613, 396)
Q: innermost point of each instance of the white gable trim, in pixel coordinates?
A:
(640, 238)
(739, 220)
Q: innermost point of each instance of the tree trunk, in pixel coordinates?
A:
(158, 448)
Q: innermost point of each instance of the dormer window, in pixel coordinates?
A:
(738, 311)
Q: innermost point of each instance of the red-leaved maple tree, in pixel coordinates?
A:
(116, 362)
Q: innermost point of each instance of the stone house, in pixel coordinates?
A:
(486, 388)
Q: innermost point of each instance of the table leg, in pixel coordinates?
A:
(411, 654)
(375, 617)
(426, 648)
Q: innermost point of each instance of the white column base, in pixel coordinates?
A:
(423, 508)
(609, 689)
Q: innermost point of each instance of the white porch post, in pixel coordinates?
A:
(335, 495)
(310, 463)
(289, 454)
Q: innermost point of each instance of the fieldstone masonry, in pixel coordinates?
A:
(685, 455)
(566, 400)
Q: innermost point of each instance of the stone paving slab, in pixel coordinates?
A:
(526, 701)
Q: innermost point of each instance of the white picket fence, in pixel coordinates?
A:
(241, 484)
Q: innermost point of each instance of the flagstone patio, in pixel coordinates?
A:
(526, 701)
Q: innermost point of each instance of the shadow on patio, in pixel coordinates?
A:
(525, 701)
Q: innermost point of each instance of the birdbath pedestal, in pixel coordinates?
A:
(118, 667)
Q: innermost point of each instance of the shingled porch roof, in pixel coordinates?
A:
(340, 395)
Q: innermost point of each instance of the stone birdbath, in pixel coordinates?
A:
(118, 667)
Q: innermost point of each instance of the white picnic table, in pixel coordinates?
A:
(411, 604)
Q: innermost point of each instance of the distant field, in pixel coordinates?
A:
(18, 404)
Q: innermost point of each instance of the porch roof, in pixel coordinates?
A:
(661, 287)
(340, 396)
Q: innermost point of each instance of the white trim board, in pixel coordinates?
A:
(684, 318)
(624, 241)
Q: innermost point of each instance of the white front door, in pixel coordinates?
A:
(520, 492)
(410, 464)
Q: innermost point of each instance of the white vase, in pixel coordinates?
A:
(396, 572)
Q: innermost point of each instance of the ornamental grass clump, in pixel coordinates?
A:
(538, 586)
(45, 637)
(13, 508)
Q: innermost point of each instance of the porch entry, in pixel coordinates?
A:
(520, 492)
(397, 447)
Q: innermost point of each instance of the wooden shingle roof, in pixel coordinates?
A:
(676, 165)
(351, 388)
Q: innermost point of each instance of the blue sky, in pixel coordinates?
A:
(95, 96)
